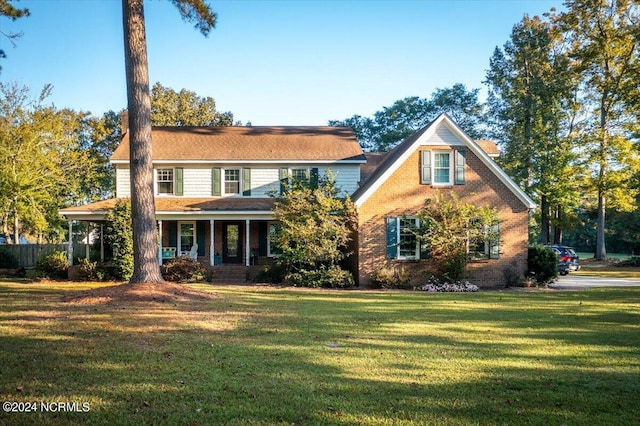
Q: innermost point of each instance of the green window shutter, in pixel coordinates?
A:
(392, 238)
(494, 244)
(179, 180)
(313, 181)
(246, 182)
(284, 180)
(461, 156)
(425, 177)
(216, 181)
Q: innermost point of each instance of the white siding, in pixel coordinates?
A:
(347, 175)
(444, 136)
(196, 182)
(264, 181)
(123, 183)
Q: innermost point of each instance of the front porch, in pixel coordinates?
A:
(219, 242)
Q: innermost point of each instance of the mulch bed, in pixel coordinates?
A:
(166, 292)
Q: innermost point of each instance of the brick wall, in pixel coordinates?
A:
(402, 194)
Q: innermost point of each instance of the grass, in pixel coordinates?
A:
(308, 357)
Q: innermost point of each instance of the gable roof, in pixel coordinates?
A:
(254, 144)
(394, 158)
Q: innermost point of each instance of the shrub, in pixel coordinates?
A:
(7, 259)
(512, 276)
(54, 265)
(630, 262)
(90, 271)
(119, 236)
(434, 285)
(184, 269)
(389, 277)
(331, 277)
(543, 264)
(273, 274)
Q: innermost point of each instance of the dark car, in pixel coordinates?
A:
(568, 256)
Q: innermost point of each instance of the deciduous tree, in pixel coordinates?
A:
(44, 166)
(532, 111)
(391, 125)
(185, 108)
(605, 41)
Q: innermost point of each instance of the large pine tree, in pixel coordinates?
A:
(145, 243)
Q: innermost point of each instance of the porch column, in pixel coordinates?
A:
(160, 242)
(87, 246)
(247, 249)
(70, 247)
(212, 249)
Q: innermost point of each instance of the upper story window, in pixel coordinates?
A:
(169, 181)
(165, 181)
(232, 181)
(443, 168)
(300, 175)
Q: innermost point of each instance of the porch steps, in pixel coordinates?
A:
(229, 274)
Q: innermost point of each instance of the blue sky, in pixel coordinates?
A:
(268, 62)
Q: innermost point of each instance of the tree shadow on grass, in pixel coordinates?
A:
(268, 357)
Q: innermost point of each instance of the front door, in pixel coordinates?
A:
(232, 242)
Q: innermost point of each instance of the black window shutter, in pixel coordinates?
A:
(262, 238)
(173, 233)
(200, 236)
(314, 177)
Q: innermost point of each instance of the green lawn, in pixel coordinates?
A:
(308, 357)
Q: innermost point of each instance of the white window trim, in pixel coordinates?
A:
(223, 182)
(156, 186)
(181, 250)
(416, 256)
(451, 167)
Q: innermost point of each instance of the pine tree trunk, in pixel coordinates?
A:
(557, 229)
(146, 267)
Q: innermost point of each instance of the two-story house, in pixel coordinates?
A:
(214, 188)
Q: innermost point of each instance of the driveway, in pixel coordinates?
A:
(583, 282)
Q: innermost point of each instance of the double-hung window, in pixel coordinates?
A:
(232, 181)
(443, 167)
(402, 241)
(165, 181)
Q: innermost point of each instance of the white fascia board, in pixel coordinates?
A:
(465, 141)
(405, 155)
(492, 165)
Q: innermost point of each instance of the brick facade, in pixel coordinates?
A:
(403, 194)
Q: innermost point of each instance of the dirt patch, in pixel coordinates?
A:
(166, 292)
